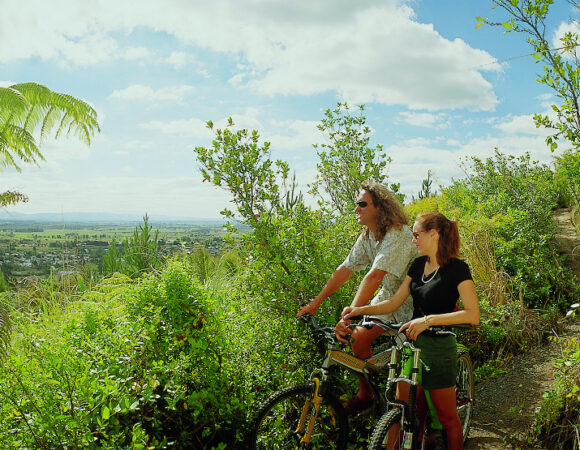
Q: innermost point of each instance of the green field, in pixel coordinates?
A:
(37, 248)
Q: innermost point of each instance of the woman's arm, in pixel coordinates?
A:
(387, 306)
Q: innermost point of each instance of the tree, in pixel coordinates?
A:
(238, 163)
(347, 160)
(29, 108)
(290, 246)
(140, 251)
(426, 191)
(561, 70)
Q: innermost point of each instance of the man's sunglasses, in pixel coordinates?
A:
(362, 204)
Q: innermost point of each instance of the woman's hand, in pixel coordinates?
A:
(414, 328)
(351, 311)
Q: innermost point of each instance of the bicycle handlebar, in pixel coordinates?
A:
(327, 333)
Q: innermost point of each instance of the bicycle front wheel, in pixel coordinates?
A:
(282, 421)
(464, 391)
(388, 432)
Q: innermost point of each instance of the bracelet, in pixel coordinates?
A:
(426, 323)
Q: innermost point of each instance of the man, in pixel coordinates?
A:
(384, 244)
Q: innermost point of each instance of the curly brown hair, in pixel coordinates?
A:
(391, 212)
(448, 246)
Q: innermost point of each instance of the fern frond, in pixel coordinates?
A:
(12, 198)
(26, 107)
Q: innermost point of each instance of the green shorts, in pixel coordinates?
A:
(438, 361)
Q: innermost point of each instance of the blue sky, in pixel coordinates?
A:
(436, 90)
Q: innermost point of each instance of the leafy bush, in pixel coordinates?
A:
(139, 253)
(97, 377)
(557, 424)
(567, 176)
(515, 197)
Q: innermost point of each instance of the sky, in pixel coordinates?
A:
(436, 90)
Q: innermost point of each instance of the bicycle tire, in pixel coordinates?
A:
(385, 424)
(277, 421)
(464, 390)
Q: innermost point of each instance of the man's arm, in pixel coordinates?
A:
(368, 287)
(364, 293)
(340, 276)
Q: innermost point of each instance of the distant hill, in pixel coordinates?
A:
(10, 216)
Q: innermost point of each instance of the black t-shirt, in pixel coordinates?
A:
(438, 294)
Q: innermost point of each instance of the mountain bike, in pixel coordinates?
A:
(311, 414)
(398, 428)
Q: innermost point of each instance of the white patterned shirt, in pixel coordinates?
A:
(394, 255)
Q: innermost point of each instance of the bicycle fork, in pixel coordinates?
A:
(315, 401)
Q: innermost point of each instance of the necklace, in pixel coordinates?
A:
(430, 276)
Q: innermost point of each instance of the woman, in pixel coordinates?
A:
(436, 280)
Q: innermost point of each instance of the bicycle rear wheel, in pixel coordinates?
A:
(388, 432)
(464, 390)
(278, 421)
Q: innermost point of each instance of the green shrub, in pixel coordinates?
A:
(127, 367)
(567, 176)
(515, 197)
(557, 423)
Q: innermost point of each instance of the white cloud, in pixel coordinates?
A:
(294, 135)
(137, 53)
(138, 92)
(520, 125)
(386, 56)
(427, 120)
(180, 59)
(186, 127)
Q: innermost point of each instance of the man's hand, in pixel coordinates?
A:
(341, 330)
(310, 308)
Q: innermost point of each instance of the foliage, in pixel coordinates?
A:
(26, 106)
(557, 424)
(140, 250)
(426, 189)
(567, 177)
(507, 329)
(240, 165)
(12, 198)
(97, 377)
(291, 250)
(112, 260)
(5, 328)
(347, 160)
(515, 197)
(139, 255)
(61, 373)
(560, 71)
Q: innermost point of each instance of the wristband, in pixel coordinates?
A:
(426, 323)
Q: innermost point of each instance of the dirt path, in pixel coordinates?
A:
(505, 405)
